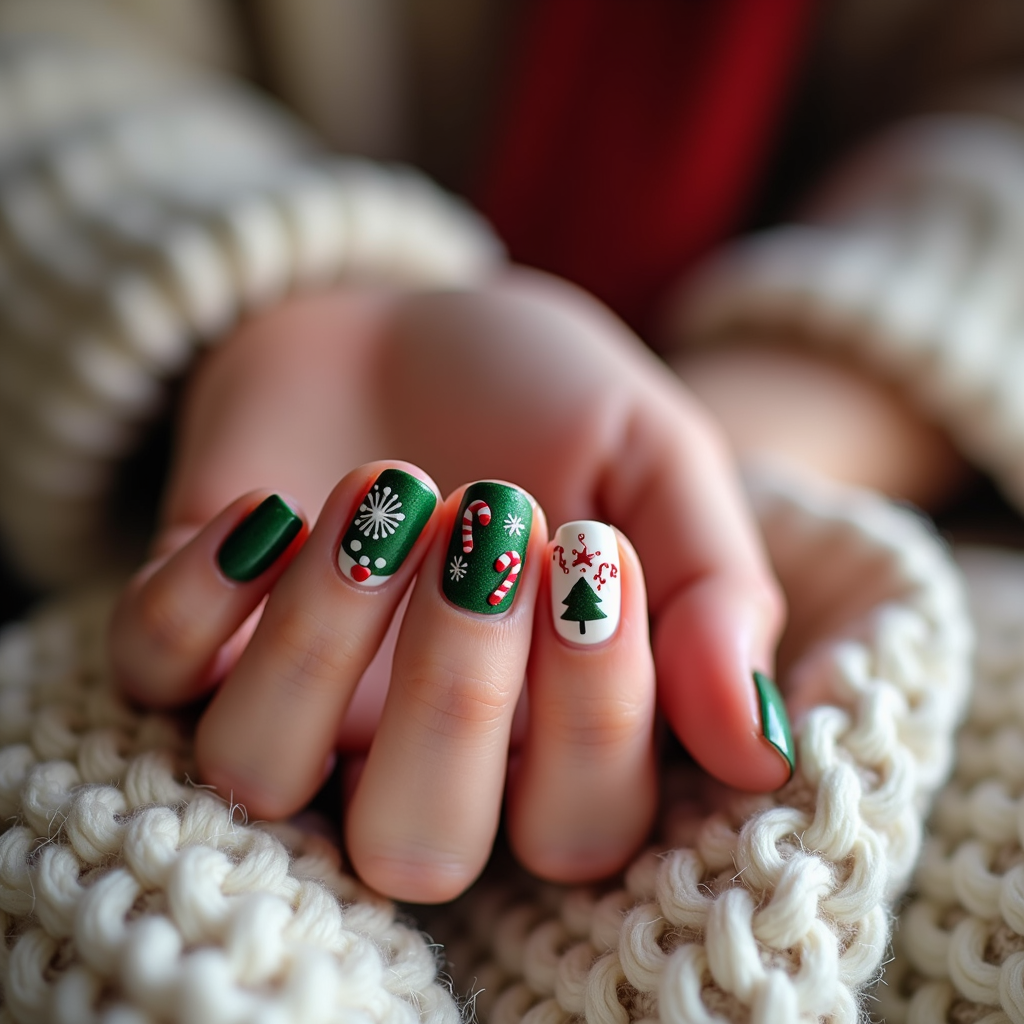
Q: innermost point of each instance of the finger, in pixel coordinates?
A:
(174, 618)
(584, 795)
(632, 449)
(426, 809)
(269, 731)
(718, 609)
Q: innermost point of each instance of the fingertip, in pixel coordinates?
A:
(585, 793)
(169, 629)
(260, 539)
(715, 689)
(495, 533)
(377, 516)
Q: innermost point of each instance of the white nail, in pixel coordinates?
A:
(585, 582)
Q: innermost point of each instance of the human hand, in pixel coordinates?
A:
(535, 383)
(424, 812)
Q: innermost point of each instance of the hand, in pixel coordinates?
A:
(529, 381)
(423, 815)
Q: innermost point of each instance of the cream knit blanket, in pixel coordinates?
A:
(129, 894)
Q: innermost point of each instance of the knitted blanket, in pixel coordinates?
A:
(130, 893)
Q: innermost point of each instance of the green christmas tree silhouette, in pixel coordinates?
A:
(581, 604)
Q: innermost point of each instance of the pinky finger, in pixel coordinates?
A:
(171, 625)
(583, 798)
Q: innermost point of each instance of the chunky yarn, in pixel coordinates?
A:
(130, 894)
(960, 946)
(776, 908)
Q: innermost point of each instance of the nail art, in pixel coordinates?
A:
(390, 517)
(487, 548)
(585, 594)
(258, 540)
(774, 720)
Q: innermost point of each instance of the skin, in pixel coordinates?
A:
(526, 380)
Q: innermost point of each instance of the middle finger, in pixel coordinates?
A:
(425, 812)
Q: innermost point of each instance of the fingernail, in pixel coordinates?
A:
(258, 540)
(487, 548)
(774, 720)
(585, 595)
(390, 517)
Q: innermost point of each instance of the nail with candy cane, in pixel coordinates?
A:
(509, 558)
(482, 511)
(585, 601)
(475, 563)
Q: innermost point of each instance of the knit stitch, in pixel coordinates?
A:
(127, 893)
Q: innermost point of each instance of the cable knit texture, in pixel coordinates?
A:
(960, 945)
(910, 261)
(129, 894)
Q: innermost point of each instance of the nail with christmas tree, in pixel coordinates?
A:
(585, 582)
(487, 548)
(387, 522)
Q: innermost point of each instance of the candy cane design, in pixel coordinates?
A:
(509, 558)
(482, 511)
(559, 553)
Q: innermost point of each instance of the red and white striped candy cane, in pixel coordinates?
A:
(482, 511)
(509, 558)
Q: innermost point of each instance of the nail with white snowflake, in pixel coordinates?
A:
(390, 517)
(487, 547)
(585, 591)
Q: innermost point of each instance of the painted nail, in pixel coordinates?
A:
(774, 720)
(487, 549)
(258, 540)
(585, 595)
(390, 517)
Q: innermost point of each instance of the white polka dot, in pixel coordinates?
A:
(356, 544)
(380, 563)
(365, 560)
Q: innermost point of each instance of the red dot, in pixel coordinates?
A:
(360, 573)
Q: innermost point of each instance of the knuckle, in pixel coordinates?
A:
(168, 625)
(451, 702)
(315, 655)
(601, 724)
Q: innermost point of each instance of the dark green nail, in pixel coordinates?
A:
(487, 548)
(258, 540)
(774, 720)
(384, 529)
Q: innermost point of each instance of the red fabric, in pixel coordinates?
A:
(634, 134)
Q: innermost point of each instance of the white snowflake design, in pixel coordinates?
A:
(379, 513)
(457, 568)
(513, 525)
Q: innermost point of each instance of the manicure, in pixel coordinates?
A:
(774, 719)
(384, 529)
(258, 540)
(487, 548)
(585, 583)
